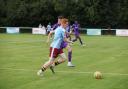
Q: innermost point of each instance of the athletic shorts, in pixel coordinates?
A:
(54, 52)
(76, 34)
(64, 45)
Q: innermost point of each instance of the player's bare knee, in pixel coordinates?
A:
(63, 56)
(51, 60)
(64, 60)
(70, 49)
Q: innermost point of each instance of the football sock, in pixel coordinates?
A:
(57, 63)
(74, 40)
(69, 56)
(43, 69)
(80, 41)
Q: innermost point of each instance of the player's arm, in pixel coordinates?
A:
(67, 40)
(49, 36)
(68, 33)
(72, 29)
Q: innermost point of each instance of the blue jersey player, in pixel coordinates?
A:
(64, 44)
(55, 47)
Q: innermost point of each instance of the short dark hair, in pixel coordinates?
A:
(64, 20)
(60, 17)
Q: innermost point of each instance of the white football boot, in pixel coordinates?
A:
(40, 73)
(70, 64)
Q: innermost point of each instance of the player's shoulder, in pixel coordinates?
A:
(62, 29)
(58, 28)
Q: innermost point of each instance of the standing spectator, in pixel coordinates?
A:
(48, 28)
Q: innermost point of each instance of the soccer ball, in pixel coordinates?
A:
(97, 75)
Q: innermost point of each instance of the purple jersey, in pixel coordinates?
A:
(67, 31)
(55, 26)
(63, 44)
(76, 28)
(68, 28)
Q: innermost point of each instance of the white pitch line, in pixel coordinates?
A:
(80, 72)
(17, 41)
(74, 72)
(16, 69)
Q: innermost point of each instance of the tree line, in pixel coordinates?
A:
(89, 13)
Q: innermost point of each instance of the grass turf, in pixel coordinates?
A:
(21, 55)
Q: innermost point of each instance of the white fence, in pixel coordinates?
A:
(42, 30)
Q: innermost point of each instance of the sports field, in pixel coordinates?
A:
(21, 55)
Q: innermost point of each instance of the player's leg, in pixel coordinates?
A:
(80, 40)
(53, 54)
(75, 39)
(45, 66)
(69, 48)
(61, 59)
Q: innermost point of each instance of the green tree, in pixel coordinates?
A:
(89, 13)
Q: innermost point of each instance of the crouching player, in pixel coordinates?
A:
(55, 48)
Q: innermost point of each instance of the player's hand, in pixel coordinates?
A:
(71, 42)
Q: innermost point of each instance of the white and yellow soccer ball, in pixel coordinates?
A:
(98, 75)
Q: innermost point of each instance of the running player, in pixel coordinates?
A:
(64, 44)
(75, 27)
(55, 48)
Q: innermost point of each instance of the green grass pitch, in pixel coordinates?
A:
(21, 55)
